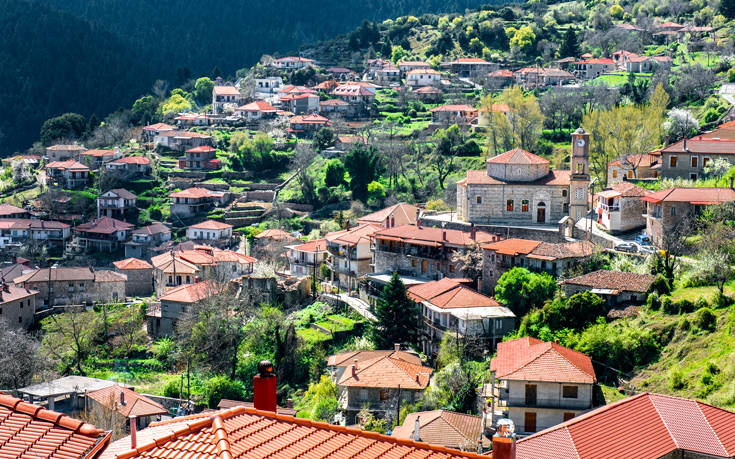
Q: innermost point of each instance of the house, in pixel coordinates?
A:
(307, 259)
(306, 125)
(292, 63)
(337, 364)
(620, 55)
(428, 94)
(619, 208)
(170, 270)
(97, 158)
(471, 67)
(297, 90)
(300, 103)
(406, 66)
(588, 69)
(210, 231)
(539, 385)
(445, 115)
(349, 254)
(143, 239)
(553, 258)
(373, 65)
(268, 85)
(65, 394)
(273, 235)
(225, 98)
(650, 425)
(447, 305)
(11, 211)
(256, 111)
(203, 157)
(666, 208)
(139, 276)
(33, 431)
(32, 161)
(130, 165)
(20, 231)
(181, 140)
(64, 152)
(615, 287)
(521, 188)
(395, 215)
(117, 203)
(380, 385)
(73, 285)
(388, 74)
(17, 305)
(176, 302)
(104, 233)
(538, 77)
(354, 94)
(341, 73)
(500, 79)
(337, 106)
(687, 158)
(423, 77)
(445, 428)
(152, 130)
(347, 142)
(126, 404)
(421, 251)
(639, 64)
(191, 119)
(194, 201)
(645, 166)
(10, 270)
(67, 174)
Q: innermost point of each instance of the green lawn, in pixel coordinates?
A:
(694, 293)
(617, 79)
(312, 336)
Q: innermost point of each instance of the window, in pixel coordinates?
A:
(673, 210)
(615, 173)
(579, 193)
(524, 205)
(509, 205)
(383, 395)
(569, 391)
(363, 395)
(498, 324)
(21, 304)
(438, 266)
(20, 320)
(563, 193)
(580, 168)
(413, 262)
(672, 161)
(693, 176)
(695, 161)
(451, 268)
(566, 207)
(479, 199)
(705, 161)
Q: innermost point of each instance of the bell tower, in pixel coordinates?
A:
(580, 178)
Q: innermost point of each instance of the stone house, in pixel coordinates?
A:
(139, 276)
(499, 79)
(292, 63)
(11, 211)
(179, 267)
(539, 77)
(197, 158)
(67, 174)
(538, 385)
(349, 254)
(306, 259)
(78, 285)
(447, 305)
(336, 106)
(382, 385)
(145, 238)
(407, 66)
(117, 203)
(423, 252)
(354, 94)
(104, 233)
(619, 208)
(388, 74)
(256, 111)
(423, 77)
(21, 231)
(446, 115)
(175, 303)
(17, 305)
(64, 152)
(169, 270)
(588, 69)
(210, 231)
(645, 166)
(306, 125)
(127, 403)
(110, 286)
(225, 98)
(429, 94)
(130, 165)
(152, 130)
(553, 258)
(688, 158)
(337, 364)
(300, 103)
(471, 67)
(395, 215)
(181, 140)
(615, 287)
(519, 187)
(97, 158)
(194, 201)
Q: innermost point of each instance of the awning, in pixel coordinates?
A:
(609, 194)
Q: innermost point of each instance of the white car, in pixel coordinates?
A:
(647, 249)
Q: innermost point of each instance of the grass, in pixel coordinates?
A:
(312, 336)
(617, 79)
(611, 394)
(694, 293)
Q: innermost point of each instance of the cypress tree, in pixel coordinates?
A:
(570, 46)
(399, 318)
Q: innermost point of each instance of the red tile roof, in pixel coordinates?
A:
(211, 225)
(193, 192)
(703, 145)
(308, 119)
(480, 177)
(409, 210)
(190, 293)
(352, 90)
(353, 236)
(503, 73)
(423, 72)
(9, 209)
(69, 165)
(28, 430)
(345, 359)
(453, 108)
(226, 91)
(470, 60)
(317, 245)
(153, 228)
(517, 156)
(530, 359)
(275, 234)
(603, 60)
(449, 294)
(427, 90)
(132, 263)
(241, 432)
(387, 372)
(57, 274)
(257, 106)
(512, 247)
(98, 153)
(701, 196)
(132, 160)
(625, 189)
(644, 160)
(10, 292)
(650, 425)
(159, 127)
(614, 280)
(436, 237)
(104, 225)
(201, 149)
(135, 404)
(442, 427)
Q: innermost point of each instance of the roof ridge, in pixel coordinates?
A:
(221, 438)
(663, 421)
(54, 417)
(554, 347)
(706, 421)
(451, 424)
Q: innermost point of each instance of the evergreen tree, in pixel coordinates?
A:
(570, 45)
(216, 72)
(399, 318)
(727, 8)
(364, 167)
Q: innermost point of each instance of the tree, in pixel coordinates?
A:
(680, 124)
(363, 166)
(570, 45)
(335, 173)
(175, 104)
(521, 40)
(522, 290)
(524, 116)
(717, 168)
(727, 8)
(303, 157)
(66, 126)
(323, 139)
(203, 90)
(69, 338)
(470, 261)
(576, 312)
(397, 54)
(319, 402)
(144, 110)
(20, 359)
(398, 317)
(718, 245)
(222, 387)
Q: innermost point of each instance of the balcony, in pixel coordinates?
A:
(563, 404)
(606, 208)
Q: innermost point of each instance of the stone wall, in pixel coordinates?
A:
(493, 203)
(140, 281)
(546, 234)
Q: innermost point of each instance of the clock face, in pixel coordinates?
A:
(580, 142)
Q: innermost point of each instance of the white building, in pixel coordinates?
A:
(209, 230)
(423, 77)
(306, 259)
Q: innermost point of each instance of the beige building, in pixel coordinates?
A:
(619, 208)
(349, 254)
(645, 166)
(139, 276)
(64, 152)
(69, 286)
(395, 215)
(688, 158)
(17, 305)
(175, 303)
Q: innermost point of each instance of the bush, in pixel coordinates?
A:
(731, 75)
(653, 302)
(661, 285)
(576, 312)
(676, 380)
(684, 324)
(172, 388)
(619, 345)
(721, 300)
(700, 303)
(684, 306)
(705, 319)
(667, 305)
(220, 387)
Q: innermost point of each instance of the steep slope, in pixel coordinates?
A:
(52, 63)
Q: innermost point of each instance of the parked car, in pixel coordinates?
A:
(647, 249)
(627, 247)
(642, 239)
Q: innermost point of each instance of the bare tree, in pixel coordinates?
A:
(105, 416)
(20, 359)
(470, 261)
(160, 89)
(303, 157)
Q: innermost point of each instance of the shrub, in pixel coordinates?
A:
(705, 319)
(676, 380)
(661, 285)
(731, 75)
(684, 306)
(667, 305)
(684, 324)
(700, 303)
(220, 387)
(653, 302)
(172, 388)
(721, 300)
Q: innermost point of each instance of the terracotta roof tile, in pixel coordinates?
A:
(692, 195)
(448, 294)
(529, 359)
(480, 177)
(211, 225)
(190, 293)
(442, 427)
(57, 274)
(317, 245)
(193, 193)
(517, 156)
(352, 236)
(409, 210)
(226, 91)
(135, 404)
(153, 228)
(274, 234)
(344, 359)
(104, 225)
(614, 280)
(132, 263)
(387, 372)
(512, 247)
(426, 235)
(70, 165)
(453, 108)
(132, 160)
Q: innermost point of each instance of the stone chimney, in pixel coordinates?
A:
(122, 398)
(416, 429)
(473, 232)
(264, 387)
(396, 347)
(133, 431)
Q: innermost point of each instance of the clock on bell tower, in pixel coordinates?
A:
(580, 179)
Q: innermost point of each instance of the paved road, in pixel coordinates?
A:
(357, 304)
(727, 91)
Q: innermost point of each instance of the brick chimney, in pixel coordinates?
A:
(122, 398)
(504, 440)
(354, 368)
(264, 387)
(133, 431)
(444, 235)
(473, 232)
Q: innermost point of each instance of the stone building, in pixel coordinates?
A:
(520, 188)
(645, 166)
(17, 305)
(619, 208)
(140, 276)
(349, 254)
(78, 285)
(614, 287)
(688, 158)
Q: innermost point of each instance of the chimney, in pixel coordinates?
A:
(473, 232)
(416, 428)
(730, 182)
(444, 235)
(685, 144)
(397, 347)
(289, 403)
(133, 431)
(354, 371)
(264, 387)
(122, 398)
(504, 440)
(354, 363)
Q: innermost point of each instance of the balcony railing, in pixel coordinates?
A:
(606, 208)
(567, 404)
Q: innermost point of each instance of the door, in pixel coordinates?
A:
(541, 213)
(529, 423)
(423, 266)
(530, 394)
